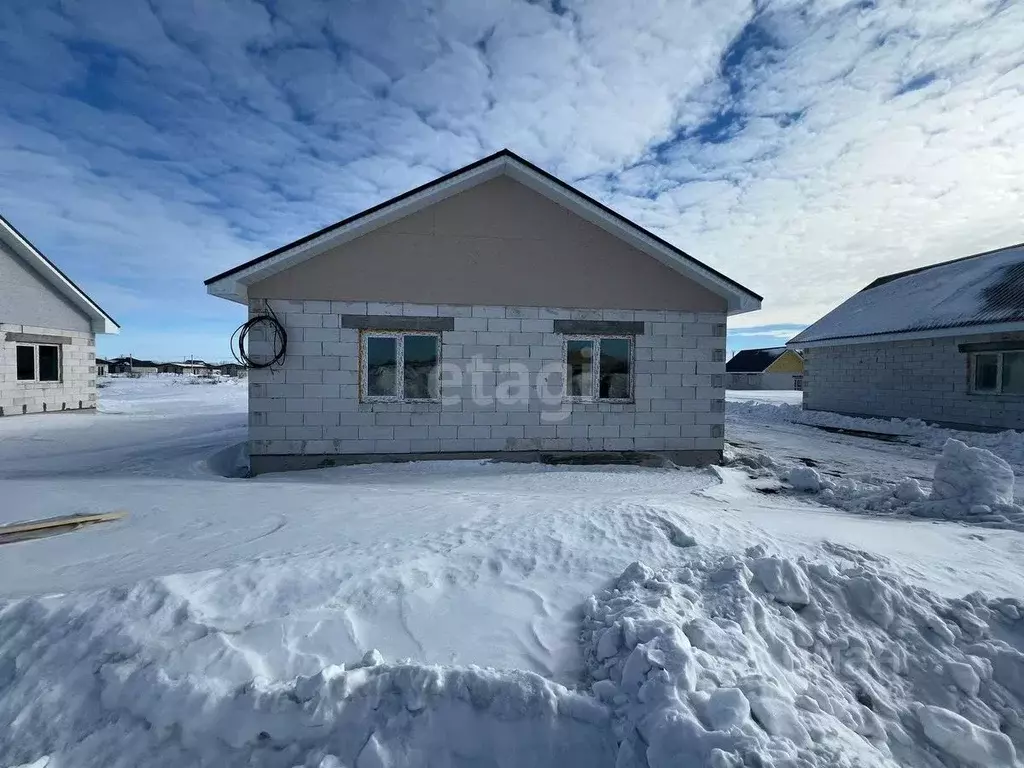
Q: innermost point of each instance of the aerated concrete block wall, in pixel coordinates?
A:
(310, 406)
(923, 379)
(760, 380)
(778, 380)
(75, 390)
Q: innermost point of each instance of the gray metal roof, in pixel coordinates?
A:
(984, 289)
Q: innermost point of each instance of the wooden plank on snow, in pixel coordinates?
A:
(53, 525)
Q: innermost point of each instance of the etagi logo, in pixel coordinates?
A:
(508, 383)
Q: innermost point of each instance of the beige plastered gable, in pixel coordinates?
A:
(496, 243)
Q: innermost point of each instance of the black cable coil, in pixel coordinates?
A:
(279, 337)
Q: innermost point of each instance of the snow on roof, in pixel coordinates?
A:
(986, 289)
(753, 360)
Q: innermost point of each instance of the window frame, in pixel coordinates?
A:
(399, 396)
(35, 363)
(595, 370)
(798, 383)
(973, 373)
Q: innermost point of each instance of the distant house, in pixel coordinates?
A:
(102, 367)
(192, 367)
(943, 343)
(615, 338)
(773, 368)
(134, 365)
(230, 369)
(48, 328)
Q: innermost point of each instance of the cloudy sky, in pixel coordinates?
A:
(800, 147)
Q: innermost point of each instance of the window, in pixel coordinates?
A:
(38, 362)
(49, 363)
(26, 363)
(400, 366)
(998, 373)
(599, 368)
(798, 382)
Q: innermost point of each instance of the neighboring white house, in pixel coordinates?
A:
(48, 330)
(772, 368)
(494, 311)
(943, 343)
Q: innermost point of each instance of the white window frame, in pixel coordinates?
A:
(798, 383)
(595, 368)
(999, 373)
(35, 363)
(399, 396)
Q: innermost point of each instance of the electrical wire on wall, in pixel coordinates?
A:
(274, 333)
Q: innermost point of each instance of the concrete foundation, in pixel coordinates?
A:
(264, 463)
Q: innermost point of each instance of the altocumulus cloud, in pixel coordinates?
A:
(801, 147)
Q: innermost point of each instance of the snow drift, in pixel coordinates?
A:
(723, 660)
(970, 485)
(1008, 445)
(100, 680)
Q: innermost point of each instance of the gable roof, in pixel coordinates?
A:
(52, 274)
(982, 293)
(753, 360)
(233, 283)
(133, 361)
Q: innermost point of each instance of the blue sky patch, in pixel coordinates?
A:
(148, 146)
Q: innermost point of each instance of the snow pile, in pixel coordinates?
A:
(804, 479)
(973, 485)
(721, 660)
(131, 677)
(1008, 445)
(772, 396)
(970, 485)
(782, 412)
(762, 660)
(971, 476)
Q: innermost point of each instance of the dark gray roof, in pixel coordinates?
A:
(753, 360)
(138, 362)
(984, 289)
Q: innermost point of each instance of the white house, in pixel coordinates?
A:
(943, 343)
(48, 328)
(496, 311)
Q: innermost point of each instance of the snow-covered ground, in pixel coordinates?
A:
(473, 614)
(772, 396)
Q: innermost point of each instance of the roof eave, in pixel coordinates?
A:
(929, 333)
(105, 325)
(230, 289)
(743, 305)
